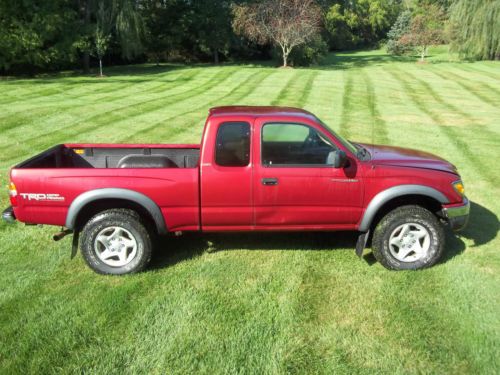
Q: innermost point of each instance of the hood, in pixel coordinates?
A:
(405, 157)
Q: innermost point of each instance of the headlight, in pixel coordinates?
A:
(459, 187)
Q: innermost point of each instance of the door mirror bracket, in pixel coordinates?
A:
(338, 159)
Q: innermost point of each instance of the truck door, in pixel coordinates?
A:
(226, 176)
(295, 183)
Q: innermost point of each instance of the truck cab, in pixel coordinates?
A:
(256, 169)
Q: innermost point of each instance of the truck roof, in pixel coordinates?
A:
(258, 111)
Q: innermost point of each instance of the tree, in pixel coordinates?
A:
(285, 23)
(475, 27)
(164, 27)
(426, 29)
(401, 27)
(103, 20)
(212, 26)
(102, 35)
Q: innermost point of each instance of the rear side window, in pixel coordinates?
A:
(233, 144)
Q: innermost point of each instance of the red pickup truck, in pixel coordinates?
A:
(257, 169)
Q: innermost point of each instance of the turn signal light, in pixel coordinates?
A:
(459, 187)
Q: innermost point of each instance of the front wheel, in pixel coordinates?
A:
(408, 238)
(115, 242)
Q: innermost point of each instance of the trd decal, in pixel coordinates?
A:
(42, 197)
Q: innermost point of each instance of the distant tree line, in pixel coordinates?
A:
(41, 35)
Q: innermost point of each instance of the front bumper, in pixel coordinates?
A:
(8, 215)
(457, 215)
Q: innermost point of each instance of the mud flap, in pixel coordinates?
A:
(74, 244)
(361, 243)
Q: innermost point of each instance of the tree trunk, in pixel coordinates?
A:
(216, 57)
(422, 55)
(86, 22)
(100, 66)
(86, 62)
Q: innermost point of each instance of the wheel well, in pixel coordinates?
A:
(93, 208)
(426, 202)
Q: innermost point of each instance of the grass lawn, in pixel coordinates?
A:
(274, 303)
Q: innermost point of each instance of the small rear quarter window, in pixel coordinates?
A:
(232, 147)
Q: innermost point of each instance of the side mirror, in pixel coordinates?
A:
(337, 158)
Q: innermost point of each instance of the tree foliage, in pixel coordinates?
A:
(475, 28)
(284, 23)
(34, 34)
(401, 27)
(38, 35)
(353, 24)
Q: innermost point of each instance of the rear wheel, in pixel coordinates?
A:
(409, 237)
(116, 242)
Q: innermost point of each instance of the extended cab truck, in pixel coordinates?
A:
(257, 169)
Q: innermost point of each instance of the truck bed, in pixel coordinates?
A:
(168, 174)
(115, 156)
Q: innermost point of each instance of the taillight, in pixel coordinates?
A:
(13, 194)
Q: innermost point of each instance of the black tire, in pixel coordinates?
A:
(407, 215)
(132, 226)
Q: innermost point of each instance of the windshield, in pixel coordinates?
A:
(358, 150)
(342, 140)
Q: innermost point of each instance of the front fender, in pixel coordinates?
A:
(394, 192)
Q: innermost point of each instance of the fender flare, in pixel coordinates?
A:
(115, 193)
(397, 191)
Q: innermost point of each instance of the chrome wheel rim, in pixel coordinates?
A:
(115, 246)
(409, 242)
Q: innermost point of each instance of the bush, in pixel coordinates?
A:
(309, 53)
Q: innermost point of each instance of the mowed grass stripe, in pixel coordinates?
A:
(417, 316)
(93, 112)
(451, 108)
(345, 117)
(306, 91)
(95, 121)
(270, 88)
(379, 127)
(469, 89)
(233, 97)
(476, 87)
(448, 131)
(325, 96)
(150, 120)
(74, 83)
(67, 104)
(480, 69)
(281, 97)
(73, 106)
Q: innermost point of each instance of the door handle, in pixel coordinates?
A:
(270, 181)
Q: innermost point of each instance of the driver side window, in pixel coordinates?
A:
(295, 144)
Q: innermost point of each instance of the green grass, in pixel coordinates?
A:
(294, 303)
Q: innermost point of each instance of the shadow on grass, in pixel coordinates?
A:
(357, 59)
(171, 250)
(483, 228)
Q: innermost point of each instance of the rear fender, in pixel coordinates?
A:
(114, 193)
